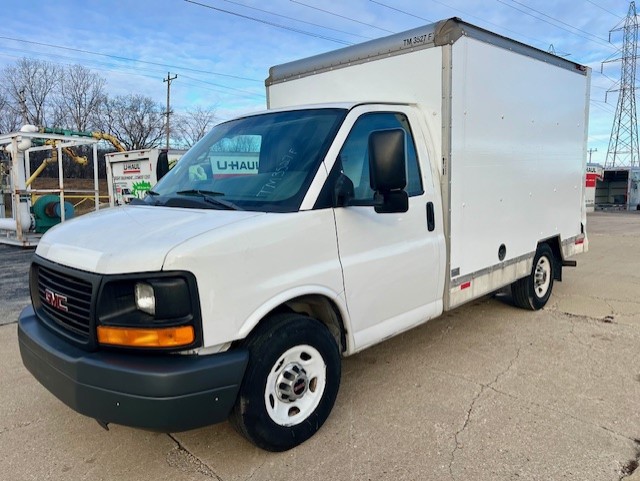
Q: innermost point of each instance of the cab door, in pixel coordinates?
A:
(392, 263)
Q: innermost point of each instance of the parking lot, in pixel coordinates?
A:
(485, 392)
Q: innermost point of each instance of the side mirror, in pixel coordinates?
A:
(388, 175)
(162, 166)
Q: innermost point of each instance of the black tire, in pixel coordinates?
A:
(276, 382)
(534, 291)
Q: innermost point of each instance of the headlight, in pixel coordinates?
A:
(145, 298)
(157, 310)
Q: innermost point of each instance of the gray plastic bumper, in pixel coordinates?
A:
(166, 393)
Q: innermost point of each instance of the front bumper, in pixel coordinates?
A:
(166, 393)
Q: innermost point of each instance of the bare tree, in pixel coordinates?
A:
(80, 97)
(194, 124)
(30, 85)
(135, 120)
(9, 115)
(239, 143)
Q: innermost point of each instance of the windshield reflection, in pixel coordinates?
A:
(262, 163)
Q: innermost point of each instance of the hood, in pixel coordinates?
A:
(130, 238)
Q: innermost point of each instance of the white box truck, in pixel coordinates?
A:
(132, 173)
(386, 183)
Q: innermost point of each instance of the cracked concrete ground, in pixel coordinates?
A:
(485, 392)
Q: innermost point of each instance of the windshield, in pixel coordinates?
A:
(261, 163)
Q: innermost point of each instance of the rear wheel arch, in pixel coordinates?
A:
(555, 245)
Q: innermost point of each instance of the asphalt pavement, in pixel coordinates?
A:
(485, 392)
(14, 283)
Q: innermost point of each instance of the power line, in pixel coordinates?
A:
(605, 106)
(152, 73)
(610, 112)
(223, 86)
(127, 59)
(224, 92)
(297, 19)
(602, 8)
(559, 21)
(401, 11)
(553, 24)
(338, 15)
(272, 24)
(466, 14)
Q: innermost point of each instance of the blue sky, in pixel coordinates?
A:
(222, 59)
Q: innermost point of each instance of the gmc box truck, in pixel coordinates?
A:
(386, 183)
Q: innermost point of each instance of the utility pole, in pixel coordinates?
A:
(23, 106)
(168, 112)
(623, 144)
(591, 151)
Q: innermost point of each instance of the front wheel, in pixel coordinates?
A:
(534, 291)
(290, 384)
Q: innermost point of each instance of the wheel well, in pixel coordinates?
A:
(317, 307)
(554, 244)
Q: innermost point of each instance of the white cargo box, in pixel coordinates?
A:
(505, 123)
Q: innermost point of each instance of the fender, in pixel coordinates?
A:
(337, 299)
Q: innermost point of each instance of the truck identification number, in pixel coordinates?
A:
(418, 40)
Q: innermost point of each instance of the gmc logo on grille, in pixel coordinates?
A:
(58, 301)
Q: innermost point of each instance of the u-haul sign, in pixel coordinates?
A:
(595, 172)
(234, 163)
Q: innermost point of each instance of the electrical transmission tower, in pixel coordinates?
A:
(623, 144)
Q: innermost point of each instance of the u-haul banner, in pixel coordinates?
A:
(234, 163)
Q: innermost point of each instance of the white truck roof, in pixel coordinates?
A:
(432, 35)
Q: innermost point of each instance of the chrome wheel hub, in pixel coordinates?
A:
(542, 277)
(292, 383)
(295, 385)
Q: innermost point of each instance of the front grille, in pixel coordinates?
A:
(66, 300)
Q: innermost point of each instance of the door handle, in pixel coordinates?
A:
(431, 218)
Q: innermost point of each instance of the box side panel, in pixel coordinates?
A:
(517, 156)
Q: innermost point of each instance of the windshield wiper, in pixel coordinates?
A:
(211, 197)
(151, 192)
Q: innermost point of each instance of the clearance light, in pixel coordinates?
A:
(156, 337)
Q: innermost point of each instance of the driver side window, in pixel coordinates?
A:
(354, 156)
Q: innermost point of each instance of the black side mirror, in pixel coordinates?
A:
(162, 166)
(388, 176)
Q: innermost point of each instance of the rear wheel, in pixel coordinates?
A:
(534, 291)
(290, 384)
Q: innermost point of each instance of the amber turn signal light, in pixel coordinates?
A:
(147, 337)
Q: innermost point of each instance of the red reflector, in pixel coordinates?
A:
(580, 241)
(465, 285)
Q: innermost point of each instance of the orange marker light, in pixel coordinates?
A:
(158, 337)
